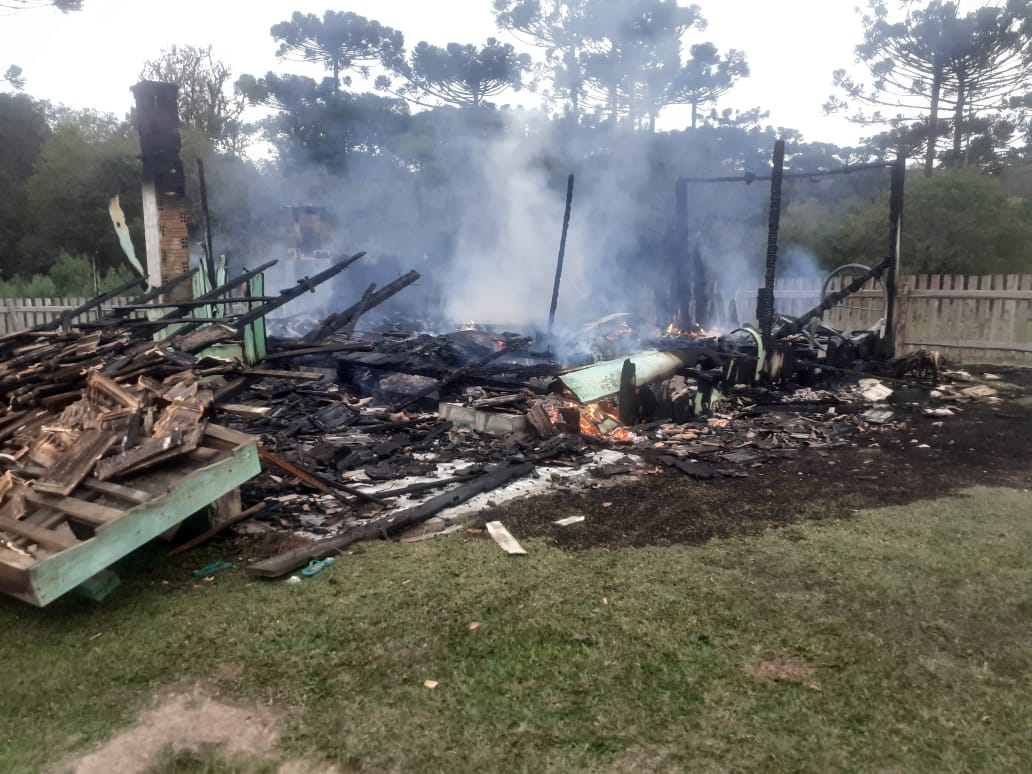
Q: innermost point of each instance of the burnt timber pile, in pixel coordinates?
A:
(105, 438)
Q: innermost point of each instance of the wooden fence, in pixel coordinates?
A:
(984, 319)
(19, 313)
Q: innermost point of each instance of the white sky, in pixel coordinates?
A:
(91, 58)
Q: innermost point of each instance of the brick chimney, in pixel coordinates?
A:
(164, 185)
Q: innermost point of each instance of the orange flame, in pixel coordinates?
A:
(591, 417)
(673, 330)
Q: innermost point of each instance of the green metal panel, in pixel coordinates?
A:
(56, 575)
(596, 381)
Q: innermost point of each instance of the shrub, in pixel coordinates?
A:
(73, 275)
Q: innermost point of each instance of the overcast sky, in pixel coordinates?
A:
(91, 58)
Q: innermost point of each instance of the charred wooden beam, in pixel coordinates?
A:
(628, 400)
(899, 171)
(324, 349)
(766, 300)
(313, 479)
(454, 376)
(182, 310)
(119, 312)
(204, 537)
(306, 285)
(335, 322)
(361, 306)
(391, 524)
(63, 321)
(208, 244)
(425, 486)
(833, 298)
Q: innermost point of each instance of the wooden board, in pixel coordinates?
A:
(504, 538)
(81, 510)
(75, 462)
(47, 538)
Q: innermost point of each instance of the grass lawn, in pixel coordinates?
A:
(898, 640)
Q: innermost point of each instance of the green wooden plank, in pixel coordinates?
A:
(56, 575)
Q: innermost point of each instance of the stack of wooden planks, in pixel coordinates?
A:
(101, 428)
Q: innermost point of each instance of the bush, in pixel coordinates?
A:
(73, 275)
(37, 286)
(117, 277)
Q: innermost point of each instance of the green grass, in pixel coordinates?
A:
(904, 636)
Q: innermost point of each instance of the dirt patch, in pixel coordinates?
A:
(925, 458)
(187, 721)
(779, 668)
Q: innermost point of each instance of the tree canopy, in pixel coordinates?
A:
(208, 100)
(340, 41)
(706, 76)
(464, 74)
(935, 56)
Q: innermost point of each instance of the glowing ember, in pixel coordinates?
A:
(673, 330)
(591, 417)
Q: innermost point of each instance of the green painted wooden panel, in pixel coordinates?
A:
(52, 577)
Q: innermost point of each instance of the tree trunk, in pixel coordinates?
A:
(958, 117)
(695, 113)
(933, 120)
(573, 72)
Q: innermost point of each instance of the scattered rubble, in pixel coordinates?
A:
(149, 414)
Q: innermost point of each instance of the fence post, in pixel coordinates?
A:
(898, 333)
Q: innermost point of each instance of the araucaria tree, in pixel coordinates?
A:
(935, 58)
(706, 76)
(464, 75)
(624, 58)
(340, 41)
(559, 28)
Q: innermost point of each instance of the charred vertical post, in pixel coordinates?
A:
(765, 303)
(695, 313)
(681, 208)
(700, 304)
(208, 244)
(562, 254)
(899, 169)
(629, 405)
(164, 184)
